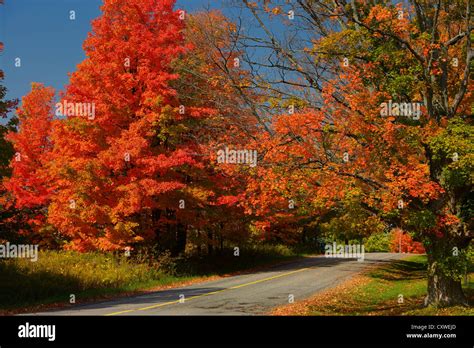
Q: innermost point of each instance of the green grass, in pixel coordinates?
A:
(380, 290)
(58, 274)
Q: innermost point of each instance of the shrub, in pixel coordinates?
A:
(377, 242)
(166, 263)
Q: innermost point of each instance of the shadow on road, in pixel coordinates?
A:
(321, 261)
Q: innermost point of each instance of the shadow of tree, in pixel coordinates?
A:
(401, 270)
(18, 286)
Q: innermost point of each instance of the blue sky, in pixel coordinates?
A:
(49, 44)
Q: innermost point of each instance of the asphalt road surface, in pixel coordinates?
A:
(246, 294)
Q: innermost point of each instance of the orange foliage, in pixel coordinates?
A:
(401, 239)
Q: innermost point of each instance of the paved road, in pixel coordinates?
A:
(247, 294)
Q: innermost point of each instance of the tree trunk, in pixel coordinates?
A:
(443, 289)
(303, 236)
(210, 245)
(181, 237)
(221, 225)
(199, 243)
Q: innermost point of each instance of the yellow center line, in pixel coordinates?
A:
(210, 293)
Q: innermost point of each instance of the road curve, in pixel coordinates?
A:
(246, 294)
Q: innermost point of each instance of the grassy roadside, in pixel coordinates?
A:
(377, 292)
(27, 286)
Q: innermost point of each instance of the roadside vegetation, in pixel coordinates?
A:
(56, 275)
(395, 289)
